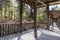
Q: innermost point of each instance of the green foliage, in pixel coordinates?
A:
(9, 12)
(42, 17)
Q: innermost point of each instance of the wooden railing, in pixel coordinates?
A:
(6, 29)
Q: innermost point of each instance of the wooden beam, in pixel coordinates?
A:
(21, 12)
(51, 1)
(40, 6)
(41, 2)
(35, 19)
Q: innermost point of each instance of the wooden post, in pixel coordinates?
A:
(35, 19)
(0, 30)
(47, 11)
(21, 12)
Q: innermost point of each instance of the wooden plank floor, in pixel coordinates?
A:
(29, 35)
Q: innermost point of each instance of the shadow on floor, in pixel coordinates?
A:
(15, 36)
(44, 36)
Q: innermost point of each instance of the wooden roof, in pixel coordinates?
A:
(39, 2)
(56, 14)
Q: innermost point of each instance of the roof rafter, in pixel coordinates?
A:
(39, 2)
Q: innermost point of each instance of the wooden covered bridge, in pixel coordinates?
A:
(34, 4)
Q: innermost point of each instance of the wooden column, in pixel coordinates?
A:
(35, 19)
(47, 11)
(21, 12)
(0, 30)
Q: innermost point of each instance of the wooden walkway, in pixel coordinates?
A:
(29, 35)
